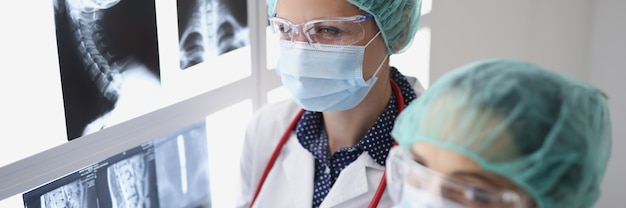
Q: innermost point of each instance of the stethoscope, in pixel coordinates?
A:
(381, 186)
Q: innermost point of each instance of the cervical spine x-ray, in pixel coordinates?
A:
(109, 61)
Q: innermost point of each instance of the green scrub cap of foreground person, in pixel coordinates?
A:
(397, 19)
(552, 134)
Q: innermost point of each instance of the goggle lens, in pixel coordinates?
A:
(404, 173)
(328, 31)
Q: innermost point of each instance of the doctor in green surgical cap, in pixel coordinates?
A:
(501, 133)
(327, 146)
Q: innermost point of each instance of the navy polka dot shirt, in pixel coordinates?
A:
(377, 141)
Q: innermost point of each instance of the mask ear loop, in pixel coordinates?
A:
(380, 66)
(372, 40)
(375, 75)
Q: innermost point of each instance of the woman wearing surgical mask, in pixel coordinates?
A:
(501, 133)
(327, 146)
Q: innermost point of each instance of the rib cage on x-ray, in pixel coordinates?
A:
(210, 28)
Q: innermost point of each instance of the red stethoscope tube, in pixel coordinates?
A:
(383, 183)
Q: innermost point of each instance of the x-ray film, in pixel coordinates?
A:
(109, 61)
(170, 171)
(209, 28)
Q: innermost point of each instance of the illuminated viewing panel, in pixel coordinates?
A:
(171, 171)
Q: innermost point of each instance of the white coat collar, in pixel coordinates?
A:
(299, 168)
(355, 180)
(360, 177)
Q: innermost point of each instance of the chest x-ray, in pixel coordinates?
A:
(209, 28)
(109, 62)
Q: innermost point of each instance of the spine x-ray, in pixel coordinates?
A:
(109, 60)
(170, 171)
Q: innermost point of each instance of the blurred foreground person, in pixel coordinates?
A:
(501, 133)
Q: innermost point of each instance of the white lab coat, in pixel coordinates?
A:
(290, 181)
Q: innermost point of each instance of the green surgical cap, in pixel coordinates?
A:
(547, 132)
(398, 20)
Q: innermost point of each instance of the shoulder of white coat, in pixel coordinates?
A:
(278, 113)
(415, 83)
(272, 119)
(262, 134)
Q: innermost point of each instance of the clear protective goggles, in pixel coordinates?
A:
(412, 183)
(330, 31)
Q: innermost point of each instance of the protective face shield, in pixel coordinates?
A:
(411, 184)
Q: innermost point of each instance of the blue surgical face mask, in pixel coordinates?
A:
(326, 77)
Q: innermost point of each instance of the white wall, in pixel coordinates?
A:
(606, 70)
(551, 33)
